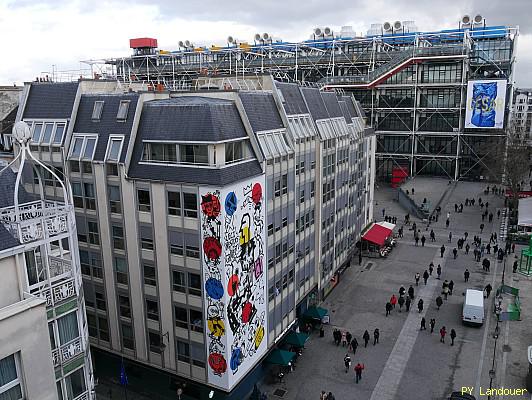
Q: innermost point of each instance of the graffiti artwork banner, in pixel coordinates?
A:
(235, 294)
(485, 104)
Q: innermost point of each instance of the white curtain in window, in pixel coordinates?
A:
(68, 328)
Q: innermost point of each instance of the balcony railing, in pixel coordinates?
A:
(58, 292)
(67, 351)
(83, 396)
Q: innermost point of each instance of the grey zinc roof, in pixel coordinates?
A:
(191, 118)
(350, 106)
(7, 240)
(315, 103)
(345, 112)
(107, 124)
(7, 189)
(261, 111)
(50, 100)
(331, 103)
(200, 176)
(293, 99)
(360, 109)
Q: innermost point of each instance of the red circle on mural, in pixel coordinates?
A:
(212, 248)
(210, 205)
(217, 363)
(256, 193)
(232, 285)
(246, 312)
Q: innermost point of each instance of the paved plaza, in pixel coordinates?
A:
(409, 363)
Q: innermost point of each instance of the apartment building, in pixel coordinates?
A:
(44, 344)
(207, 221)
(522, 113)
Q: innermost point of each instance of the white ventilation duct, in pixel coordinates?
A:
(181, 43)
(387, 27)
(397, 26)
(258, 37)
(327, 31)
(478, 19)
(318, 32)
(466, 21)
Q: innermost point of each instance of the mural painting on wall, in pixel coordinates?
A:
(233, 237)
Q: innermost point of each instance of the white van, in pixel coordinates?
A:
(473, 312)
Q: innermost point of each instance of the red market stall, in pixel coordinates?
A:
(378, 237)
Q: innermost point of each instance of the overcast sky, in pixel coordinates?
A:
(37, 35)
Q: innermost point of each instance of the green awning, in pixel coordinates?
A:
(315, 313)
(296, 339)
(280, 357)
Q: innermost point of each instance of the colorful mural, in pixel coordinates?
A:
(234, 247)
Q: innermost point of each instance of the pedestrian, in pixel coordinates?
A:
(348, 338)
(466, 275)
(423, 239)
(431, 268)
(481, 227)
(393, 300)
(420, 305)
(344, 338)
(443, 332)
(455, 207)
(425, 277)
(401, 302)
(432, 236)
(407, 304)
(383, 212)
(488, 248)
(445, 289)
(416, 239)
(423, 327)
(451, 286)
(432, 324)
(455, 253)
(401, 232)
(467, 248)
(376, 335)
(365, 336)
(358, 372)
(412, 191)
(330, 396)
(414, 227)
(514, 268)
(488, 290)
(402, 291)
(498, 214)
(447, 223)
(347, 362)
(416, 277)
(438, 271)
(465, 235)
(411, 293)
(448, 215)
(388, 308)
(354, 345)
(442, 250)
(513, 247)
(323, 395)
(439, 302)
(453, 336)
(450, 236)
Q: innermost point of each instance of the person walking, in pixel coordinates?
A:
(383, 212)
(439, 302)
(365, 336)
(408, 301)
(432, 324)
(388, 308)
(423, 322)
(498, 214)
(411, 292)
(445, 289)
(393, 300)
(425, 277)
(455, 253)
(416, 277)
(416, 238)
(401, 302)
(432, 236)
(467, 248)
(488, 289)
(330, 396)
(354, 345)
(442, 250)
(323, 395)
(431, 268)
(344, 338)
(450, 237)
(481, 227)
(402, 291)
(447, 222)
(443, 332)
(438, 271)
(451, 286)
(420, 305)
(347, 362)
(358, 372)
(376, 335)
(453, 336)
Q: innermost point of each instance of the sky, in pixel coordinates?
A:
(39, 36)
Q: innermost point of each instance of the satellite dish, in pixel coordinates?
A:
(21, 132)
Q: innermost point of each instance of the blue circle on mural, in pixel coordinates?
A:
(214, 288)
(236, 358)
(230, 203)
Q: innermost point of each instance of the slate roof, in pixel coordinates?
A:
(50, 100)
(350, 106)
(191, 118)
(261, 111)
(294, 102)
(107, 124)
(331, 104)
(345, 111)
(315, 103)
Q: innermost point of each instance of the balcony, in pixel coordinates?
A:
(67, 352)
(59, 292)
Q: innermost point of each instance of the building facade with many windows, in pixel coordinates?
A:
(207, 221)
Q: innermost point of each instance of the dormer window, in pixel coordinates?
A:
(83, 147)
(97, 110)
(122, 110)
(114, 148)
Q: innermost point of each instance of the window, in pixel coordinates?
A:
(100, 301)
(152, 310)
(83, 147)
(112, 169)
(124, 306)
(302, 196)
(179, 282)
(75, 384)
(68, 328)
(190, 205)
(121, 270)
(197, 353)
(93, 325)
(77, 145)
(181, 317)
(58, 135)
(103, 328)
(183, 351)
(174, 203)
(47, 134)
(114, 199)
(77, 194)
(97, 110)
(233, 152)
(146, 238)
(160, 152)
(128, 339)
(114, 148)
(284, 183)
(94, 235)
(143, 197)
(150, 277)
(196, 320)
(194, 154)
(176, 243)
(118, 237)
(10, 382)
(194, 284)
(155, 342)
(90, 197)
(37, 129)
(121, 115)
